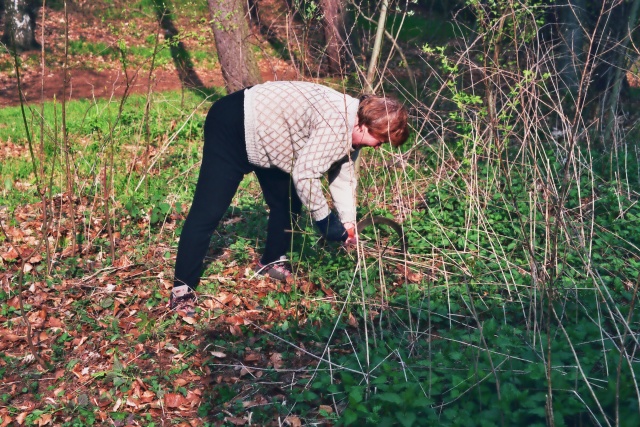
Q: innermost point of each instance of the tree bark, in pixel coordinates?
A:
(620, 70)
(377, 44)
(571, 29)
(334, 34)
(231, 32)
(20, 25)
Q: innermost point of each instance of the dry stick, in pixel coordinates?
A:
(554, 237)
(23, 113)
(38, 187)
(147, 106)
(108, 183)
(396, 46)
(302, 46)
(145, 122)
(579, 366)
(484, 342)
(43, 191)
(292, 56)
(167, 143)
(65, 136)
(23, 260)
(555, 230)
(320, 359)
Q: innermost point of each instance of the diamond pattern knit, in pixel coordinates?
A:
(305, 129)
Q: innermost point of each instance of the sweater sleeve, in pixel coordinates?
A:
(343, 184)
(315, 159)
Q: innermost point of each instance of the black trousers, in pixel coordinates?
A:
(224, 164)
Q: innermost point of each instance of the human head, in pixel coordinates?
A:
(385, 118)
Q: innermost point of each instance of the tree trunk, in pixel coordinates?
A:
(334, 34)
(377, 44)
(20, 25)
(571, 28)
(620, 70)
(231, 32)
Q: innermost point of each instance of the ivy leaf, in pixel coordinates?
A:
(349, 417)
(390, 397)
(355, 395)
(407, 419)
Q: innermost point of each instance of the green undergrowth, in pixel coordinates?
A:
(512, 306)
(426, 361)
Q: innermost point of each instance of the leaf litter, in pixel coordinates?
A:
(111, 345)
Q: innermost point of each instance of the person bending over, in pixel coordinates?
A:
(290, 134)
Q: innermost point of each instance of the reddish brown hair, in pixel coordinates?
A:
(386, 118)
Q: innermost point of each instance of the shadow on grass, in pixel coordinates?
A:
(181, 57)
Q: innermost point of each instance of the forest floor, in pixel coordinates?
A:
(92, 74)
(110, 352)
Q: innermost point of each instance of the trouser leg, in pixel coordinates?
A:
(224, 163)
(284, 207)
(214, 193)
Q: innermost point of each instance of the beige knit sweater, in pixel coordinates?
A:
(305, 129)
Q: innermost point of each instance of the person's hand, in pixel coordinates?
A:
(331, 228)
(352, 239)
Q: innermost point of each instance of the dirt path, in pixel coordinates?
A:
(89, 84)
(94, 74)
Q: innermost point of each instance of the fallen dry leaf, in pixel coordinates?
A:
(53, 322)
(224, 297)
(14, 302)
(173, 400)
(414, 277)
(21, 417)
(327, 291)
(235, 320)
(147, 397)
(189, 320)
(236, 421)
(307, 287)
(326, 408)
(252, 357)
(245, 371)
(131, 402)
(5, 334)
(193, 397)
(293, 421)
(6, 420)
(123, 261)
(212, 304)
(10, 255)
(276, 360)
(352, 321)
